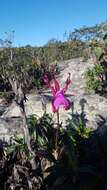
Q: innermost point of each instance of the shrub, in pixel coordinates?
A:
(97, 51)
(94, 78)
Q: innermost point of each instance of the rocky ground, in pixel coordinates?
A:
(95, 105)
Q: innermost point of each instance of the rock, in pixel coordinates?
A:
(10, 127)
(2, 110)
(12, 111)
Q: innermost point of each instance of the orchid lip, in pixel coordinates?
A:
(59, 98)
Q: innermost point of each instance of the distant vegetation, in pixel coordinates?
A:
(30, 63)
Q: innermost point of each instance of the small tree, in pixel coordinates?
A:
(13, 67)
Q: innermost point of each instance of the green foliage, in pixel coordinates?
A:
(26, 71)
(62, 50)
(63, 168)
(94, 78)
(7, 95)
(88, 33)
(97, 51)
(77, 127)
(41, 130)
(17, 144)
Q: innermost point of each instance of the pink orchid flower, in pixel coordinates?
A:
(58, 94)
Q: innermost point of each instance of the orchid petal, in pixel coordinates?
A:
(68, 81)
(47, 82)
(56, 84)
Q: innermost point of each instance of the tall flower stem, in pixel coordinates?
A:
(57, 131)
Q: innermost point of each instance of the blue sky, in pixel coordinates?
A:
(37, 21)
